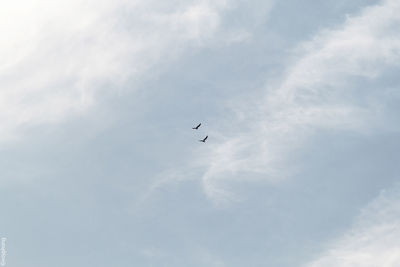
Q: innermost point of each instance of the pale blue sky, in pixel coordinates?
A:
(100, 166)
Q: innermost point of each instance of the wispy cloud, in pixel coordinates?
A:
(56, 56)
(322, 88)
(374, 239)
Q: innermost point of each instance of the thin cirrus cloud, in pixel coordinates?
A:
(372, 241)
(56, 56)
(323, 87)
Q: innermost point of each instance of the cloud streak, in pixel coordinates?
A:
(322, 88)
(373, 240)
(57, 57)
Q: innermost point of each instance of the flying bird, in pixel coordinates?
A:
(197, 127)
(204, 140)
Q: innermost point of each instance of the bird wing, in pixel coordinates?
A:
(197, 127)
(205, 138)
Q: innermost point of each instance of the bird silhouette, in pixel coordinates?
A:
(197, 127)
(204, 140)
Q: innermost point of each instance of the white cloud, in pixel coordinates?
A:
(57, 55)
(320, 90)
(374, 241)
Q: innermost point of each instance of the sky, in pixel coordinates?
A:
(100, 166)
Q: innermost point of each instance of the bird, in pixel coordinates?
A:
(204, 140)
(197, 127)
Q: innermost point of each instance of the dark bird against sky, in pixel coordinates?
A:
(204, 140)
(197, 127)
